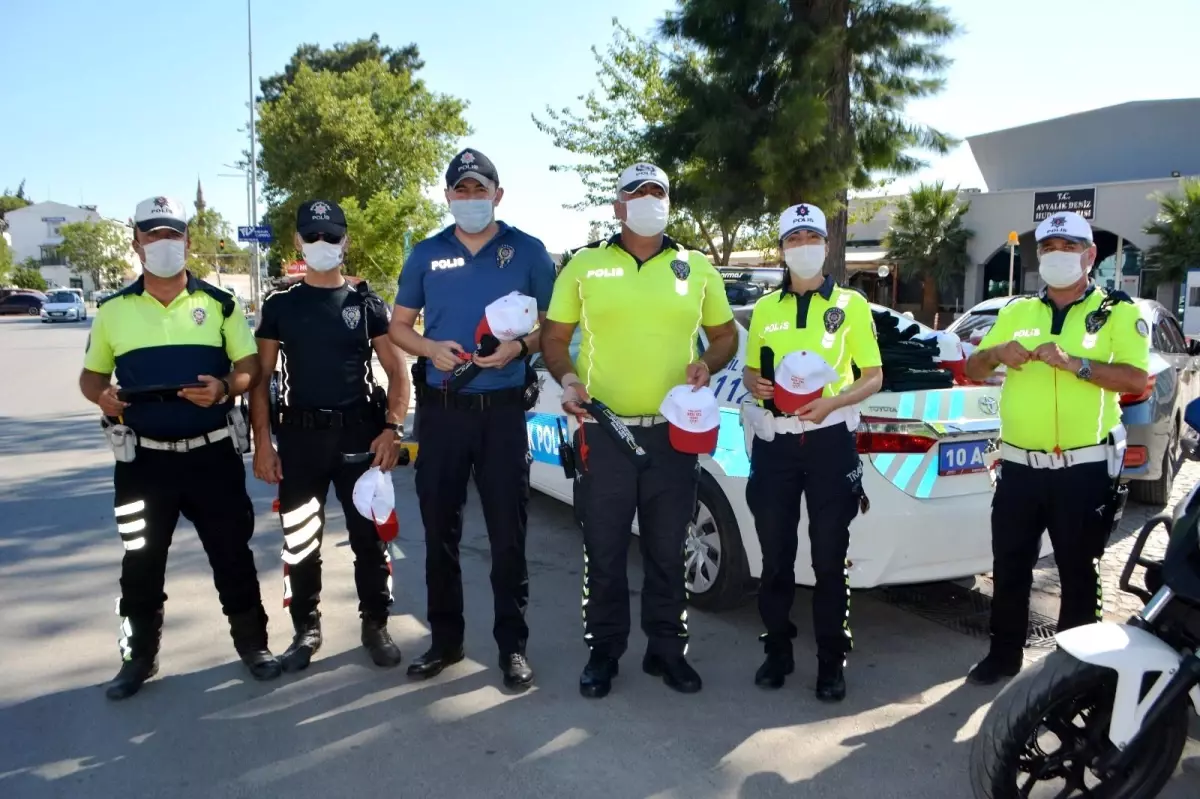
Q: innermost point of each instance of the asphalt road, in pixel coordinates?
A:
(346, 728)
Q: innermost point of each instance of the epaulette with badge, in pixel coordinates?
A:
(225, 298)
(1116, 295)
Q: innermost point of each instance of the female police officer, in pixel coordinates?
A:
(811, 452)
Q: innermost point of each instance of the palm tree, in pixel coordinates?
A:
(1177, 228)
(928, 238)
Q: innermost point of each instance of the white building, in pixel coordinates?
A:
(34, 231)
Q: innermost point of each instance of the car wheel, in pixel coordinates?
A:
(1158, 492)
(715, 570)
(34, 311)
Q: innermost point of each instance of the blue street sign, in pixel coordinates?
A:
(260, 233)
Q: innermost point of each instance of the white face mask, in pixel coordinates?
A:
(321, 256)
(805, 261)
(473, 216)
(647, 216)
(165, 257)
(1060, 269)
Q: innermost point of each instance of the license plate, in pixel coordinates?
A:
(962, 457)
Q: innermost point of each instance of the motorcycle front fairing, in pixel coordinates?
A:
(1132, 653)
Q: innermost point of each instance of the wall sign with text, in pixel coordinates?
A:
(1081, 201)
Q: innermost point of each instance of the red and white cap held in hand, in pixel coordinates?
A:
(508, 318)
(800, 378)
(694, 417)
(375, 498)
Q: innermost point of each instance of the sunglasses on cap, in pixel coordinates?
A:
(313, 238)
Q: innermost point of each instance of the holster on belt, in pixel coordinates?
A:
(756, 421)
(239, 427)
(1118, 493)
(121, 439)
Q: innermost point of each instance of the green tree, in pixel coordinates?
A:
(99, 249)
(11, 202)
(928, 238)
(6, 261)
(377, 233)
(206, 230)
(1177, 227)
(803, 100)
(349, 123)
(28, 276)
(609, 134)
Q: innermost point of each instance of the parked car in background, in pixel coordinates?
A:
(25, 304)
(1153, 419)
(63, 305)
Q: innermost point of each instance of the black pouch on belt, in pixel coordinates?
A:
(566, 453)
(533, 387)
(1114, 508)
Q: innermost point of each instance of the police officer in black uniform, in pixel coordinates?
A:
(480, 430)
(329, 407)
(181, 350)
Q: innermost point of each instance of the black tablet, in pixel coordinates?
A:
(160, 393)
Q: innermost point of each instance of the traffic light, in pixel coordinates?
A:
(222, 244)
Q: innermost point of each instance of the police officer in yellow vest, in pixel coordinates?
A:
(1069, 353)
(181, 350)
(642, 300)
(802, 420)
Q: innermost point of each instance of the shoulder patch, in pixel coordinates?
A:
(1141, 327)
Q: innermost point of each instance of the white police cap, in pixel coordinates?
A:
(1064, 225)
(160, 212)
(638, 175)
(804, 216)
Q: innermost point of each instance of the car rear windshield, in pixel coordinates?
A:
(978, 322)
(60, 296)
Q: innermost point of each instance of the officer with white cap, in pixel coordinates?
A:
(1070, 352)
(180, 350)
(803, 342)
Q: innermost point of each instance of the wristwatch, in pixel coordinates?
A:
(524, 348)
(224, 385)
(397, 427)
(1085, 369)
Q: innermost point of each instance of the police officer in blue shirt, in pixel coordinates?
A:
(453, 276)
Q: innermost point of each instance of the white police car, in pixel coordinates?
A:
(924, 473)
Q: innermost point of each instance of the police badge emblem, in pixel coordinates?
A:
(504, 255)
(681, 269)
(834, 318)
(199, 315)
(351, 315)
(1093, 322)
(1142, 328)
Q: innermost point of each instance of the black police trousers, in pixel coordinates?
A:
(608, 491)
(1074, 505)
(824, 466)
(492, 445)
(311, 458)
(207, 486)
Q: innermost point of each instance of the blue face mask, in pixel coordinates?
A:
(471, 215)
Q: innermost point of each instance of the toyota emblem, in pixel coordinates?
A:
(989, 405)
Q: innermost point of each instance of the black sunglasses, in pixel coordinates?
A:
(313, 238)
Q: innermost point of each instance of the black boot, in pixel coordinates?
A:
(516, 670)
(995, 667)
(779, 663)
(305, 643)
(831, 679)
(249, 632)
(597, 677)
(379, 643)
(130, 678)
(675, 671)
(434, 661)
(139, 642)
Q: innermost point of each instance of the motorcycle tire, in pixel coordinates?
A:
(1018, 712)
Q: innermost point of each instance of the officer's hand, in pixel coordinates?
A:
(572, 395)
(1052, 355)
(818, 409)
(502, 357)
(205, 397)
(762, 389)
(698, 375)
(442, 355)
(386, 447)
(109, 404)
(1013, 354)
(266, 464)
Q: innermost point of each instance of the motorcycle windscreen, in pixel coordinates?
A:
(1181, 566)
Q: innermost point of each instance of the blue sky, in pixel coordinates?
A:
(106, 103)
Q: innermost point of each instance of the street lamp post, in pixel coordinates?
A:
(255, 288)
(1012, 258)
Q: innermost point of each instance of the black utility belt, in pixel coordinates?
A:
(324, 418)
(502, 398)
